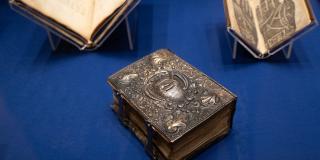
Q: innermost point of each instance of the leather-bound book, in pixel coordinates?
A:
(174, 109)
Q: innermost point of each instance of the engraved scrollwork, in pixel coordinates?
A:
(166, 84)
(127, 78)
(209, 100)
(172, 90)
(175, 122)
(158, 59)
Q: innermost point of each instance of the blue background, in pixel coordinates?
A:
(56, 105)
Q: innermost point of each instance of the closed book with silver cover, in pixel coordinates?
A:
(174, 109)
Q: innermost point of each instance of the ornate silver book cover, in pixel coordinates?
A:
(170, 94)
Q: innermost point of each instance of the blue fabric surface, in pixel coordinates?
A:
(56, 105)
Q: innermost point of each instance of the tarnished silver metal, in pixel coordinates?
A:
(170, 94)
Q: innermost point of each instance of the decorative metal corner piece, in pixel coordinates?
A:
(173, 96)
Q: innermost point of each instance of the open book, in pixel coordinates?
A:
(81, 16)
(266, 24)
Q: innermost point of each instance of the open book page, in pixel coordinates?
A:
(103, 9)
(279, 20)
(74, 14)
(81, 16)
(242, 20)
(302, 15)
(267, 23)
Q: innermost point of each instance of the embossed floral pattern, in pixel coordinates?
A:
(172, 95)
